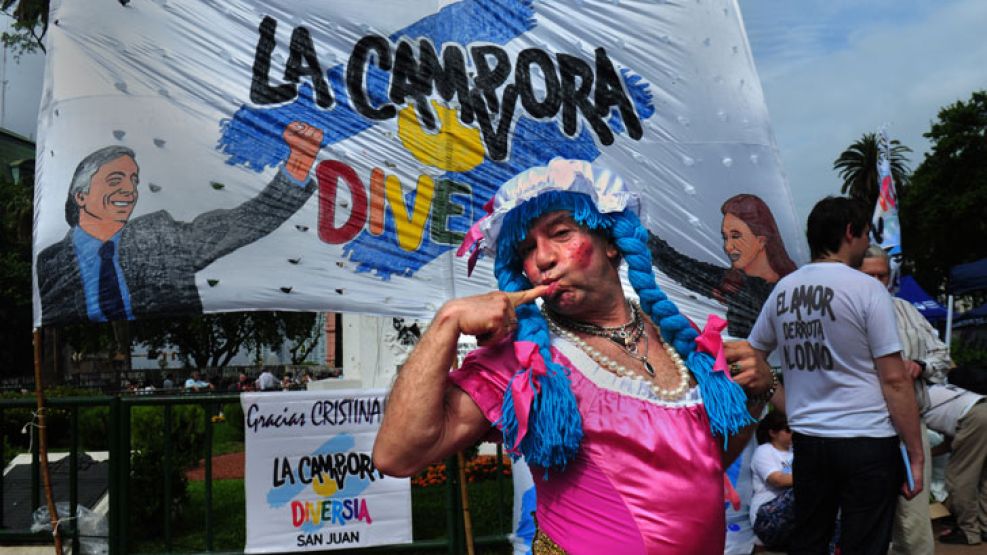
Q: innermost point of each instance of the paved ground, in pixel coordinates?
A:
(941, 548)
(224, 467)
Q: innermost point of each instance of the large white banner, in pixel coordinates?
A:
(310, 481)
(316, 155)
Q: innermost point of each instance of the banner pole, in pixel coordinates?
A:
(43, 443)
(464, 495)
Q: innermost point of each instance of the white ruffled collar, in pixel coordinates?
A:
(639, 389)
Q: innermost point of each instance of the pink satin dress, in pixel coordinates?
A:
(648, 477)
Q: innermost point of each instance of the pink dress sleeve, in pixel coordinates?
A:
(485, 375)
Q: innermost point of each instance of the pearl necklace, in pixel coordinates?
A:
(626, 337)
(608, 363)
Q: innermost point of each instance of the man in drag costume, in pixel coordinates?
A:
(625, 412)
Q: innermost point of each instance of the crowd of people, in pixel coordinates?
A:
(265, 380)
(628, 413)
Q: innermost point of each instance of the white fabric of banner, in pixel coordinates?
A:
(420, 110)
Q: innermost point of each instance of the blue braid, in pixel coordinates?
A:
(724, 400)
(555, 427)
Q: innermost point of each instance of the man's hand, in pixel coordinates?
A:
(916, 467)
(913, 368)
(304, 142)
(748, 370)
(491, 316)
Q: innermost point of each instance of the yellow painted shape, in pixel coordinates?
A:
(323, 485)
(454, 148)
(410, 228)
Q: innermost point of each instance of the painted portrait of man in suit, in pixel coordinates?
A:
(111, 267)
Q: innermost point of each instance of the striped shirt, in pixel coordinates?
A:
(920, 342)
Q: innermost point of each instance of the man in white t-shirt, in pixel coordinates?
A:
(267, 381)
(847, 393)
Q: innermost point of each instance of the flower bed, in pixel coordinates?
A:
(481, 467)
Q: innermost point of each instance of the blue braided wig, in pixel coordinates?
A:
(555, 426)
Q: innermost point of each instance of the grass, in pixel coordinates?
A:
(189, 533)
(428, 517)
(226, 439)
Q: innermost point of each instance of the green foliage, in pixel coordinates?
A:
(857, 167)
(428, 517)
(9, 451)
(228, 431)
(301, 330)
(16, 210)
(942, 211)
(234, 420)
(428, 507)
(56, 420)
(212, 340)
(204, 341)
(229, 520)
(94, 428)
(147, 505)
(967, 355)
(30, 25)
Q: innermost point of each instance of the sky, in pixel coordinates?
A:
(831, 71)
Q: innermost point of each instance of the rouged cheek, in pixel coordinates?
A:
(581, 252)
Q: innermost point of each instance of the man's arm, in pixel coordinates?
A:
(752, 373)
(932, 355)
(896, 385)
(427, 419)
(217, 233)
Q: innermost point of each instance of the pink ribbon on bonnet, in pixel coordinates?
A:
(473, 238)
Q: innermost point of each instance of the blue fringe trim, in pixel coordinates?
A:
(553, 436)
(555, 427)
(725, 401)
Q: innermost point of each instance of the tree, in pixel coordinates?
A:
(30, 25)
(302, 332)
(857, 167)
(212, 340)
(942, 211)
(16, 211)
(203, 341)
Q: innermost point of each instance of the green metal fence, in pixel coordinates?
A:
(119, 443)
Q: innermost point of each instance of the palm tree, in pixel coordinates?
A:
(857, 167)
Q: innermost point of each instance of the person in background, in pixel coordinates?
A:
(196, 384)
(962, 416)
(267, 381)
(926, 359)
(772, 506)
(847, 394)
(243, 383)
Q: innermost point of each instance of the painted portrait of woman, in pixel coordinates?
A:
(757, 258)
